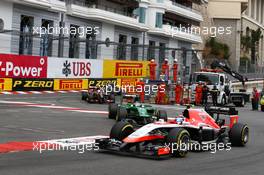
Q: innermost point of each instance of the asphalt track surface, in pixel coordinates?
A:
(19, 123)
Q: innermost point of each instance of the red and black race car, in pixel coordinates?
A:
(194, 130)
(98, 95)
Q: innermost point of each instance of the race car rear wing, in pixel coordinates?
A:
(221, 110)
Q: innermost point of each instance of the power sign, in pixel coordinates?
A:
(21, 66)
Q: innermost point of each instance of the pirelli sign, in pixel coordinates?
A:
(32, 84)
(5, 84)
(70, 84)
(125, 69)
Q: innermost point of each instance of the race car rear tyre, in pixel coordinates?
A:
(121, 114)
(112, 110)
(161, 114)
(121, 130)
(262, 108)
(89, 98)
(239, 134)
(100, 100)
(112, 98)
(178, 140)
(84, 95)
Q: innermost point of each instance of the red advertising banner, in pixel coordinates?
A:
(22, 66)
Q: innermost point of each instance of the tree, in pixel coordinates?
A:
(256, 35)
(216, 49)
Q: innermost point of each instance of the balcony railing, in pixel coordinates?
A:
(104, 7)
(185, 7)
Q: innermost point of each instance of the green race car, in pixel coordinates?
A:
(133, 112)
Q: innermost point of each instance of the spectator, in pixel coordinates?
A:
(205, 94)
(255, 99)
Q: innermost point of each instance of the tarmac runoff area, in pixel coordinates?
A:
(62, 118)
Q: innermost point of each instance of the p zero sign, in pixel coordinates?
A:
(74, 68)
(101, 82)
(125, 69)
(33, 84)
(22, 66)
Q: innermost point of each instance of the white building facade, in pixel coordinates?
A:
(253, 19)
(129, 25)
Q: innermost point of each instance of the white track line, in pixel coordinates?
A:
(48, 106)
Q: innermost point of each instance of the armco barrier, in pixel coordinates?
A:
(36, 73)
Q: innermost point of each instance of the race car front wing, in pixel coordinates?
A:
(142, 149)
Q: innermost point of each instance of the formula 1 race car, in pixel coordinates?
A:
(133, 112)
(98, 95)
(262, 103)
(191, 131)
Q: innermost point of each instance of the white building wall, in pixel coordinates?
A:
(6, 13)
(107, 31)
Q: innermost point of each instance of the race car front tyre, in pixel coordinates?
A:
(161, 114)
(178, 141)
(112, 110)
(121, 130)
(121, 114)
(239, 134)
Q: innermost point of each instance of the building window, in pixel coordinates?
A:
(91, 46)
(159, 20)
(142, 14)
(151, 50)
(74, 42)
(134, 48)
(46, 38)
(161, 52)
(26, 37)
(252, 8)
(121, 48)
